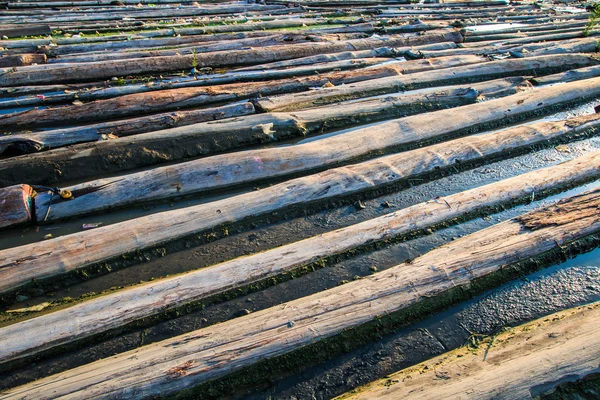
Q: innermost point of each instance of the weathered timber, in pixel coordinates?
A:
(197, 357)
(33, 142)
(99, 70)
(534, 66)
(15, 205)
(172, 144)
(22, 59)
(97, 316)
(562, 347)
(172, 99)
(28, 30)
(54, 257)
(569, 76)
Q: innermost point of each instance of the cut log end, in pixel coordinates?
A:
(16, 204)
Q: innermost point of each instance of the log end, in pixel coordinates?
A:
(16, 205)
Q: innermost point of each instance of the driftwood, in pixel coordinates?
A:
(60, 255)
(173, 99)
(211, 353)
(561, 347)
(96, 315)
(534, 66)
(15, 205)
(99, 70)
(29, 30)
(569, 76)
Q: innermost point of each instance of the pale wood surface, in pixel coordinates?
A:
(15, 205)
(206, 354)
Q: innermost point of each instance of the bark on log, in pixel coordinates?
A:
(562, 347)
(117, 155)
(533, 66)
(211, 353)
(569, 76)
(15, 205)
(51, 258)
(100, 70)
(22, 59)
(96, 316)
(28, 30)
(173, 99)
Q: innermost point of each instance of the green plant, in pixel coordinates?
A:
(593, 18)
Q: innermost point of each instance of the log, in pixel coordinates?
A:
(521, 362)
(16, 205)
(101, 70)
(163, 100)
(569, 76)
(533, 65)
(207, 354)
(22, 59)
(96, 315)
(54, 257)
(29, 30)
(27, 143)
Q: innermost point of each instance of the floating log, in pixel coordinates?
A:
(569, 76)
(534, 66)
(99, 70)
(22, 59)
(97, 316)
(562, 347)
(16, 205)
(51, 258)
(213, 352)
(173, 99)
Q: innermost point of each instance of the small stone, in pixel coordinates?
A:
(373, 268)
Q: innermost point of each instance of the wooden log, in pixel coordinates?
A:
(153, 100)
(99, 70)
(51, 258)
(22, 59)
(29, 30)
(234, 169)
(96, 316)
(529, 39)
(28, 143)
(16, 205)
(587, 45)
(562, 347)
(490, 70)
(308, 122)
(184, 361)
(569, 76)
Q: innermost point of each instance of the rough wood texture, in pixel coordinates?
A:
(97, 315)
(213, 352)
(22, 59)
(101, 70)
(53, 257)
(28, 30)
(15, 205)
(531, 65)
(230, 170)
(521, 362)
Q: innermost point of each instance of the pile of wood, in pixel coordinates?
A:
(247, 116)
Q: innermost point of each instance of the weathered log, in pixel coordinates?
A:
(562, 347)
(15, 205)
(233, 169)
(307, 122)
(29, 30)
(213, 352)
(587, 45)
(529, 39)
(27, 143)
(99, 70)
(22, 59)
(529, 66)
(96, 316)
(51, 258)
(569, 76)
(161, 100)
